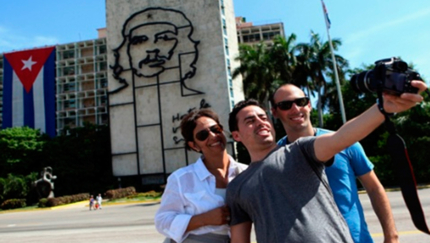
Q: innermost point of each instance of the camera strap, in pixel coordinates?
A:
(404, 173)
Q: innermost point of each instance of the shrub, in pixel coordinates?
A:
(149, 194)
(120, 193)
(42, 203)
(56, 201)
(13, 203)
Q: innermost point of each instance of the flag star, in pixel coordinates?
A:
(28, 63)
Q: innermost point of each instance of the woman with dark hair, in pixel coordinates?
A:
(193, 203)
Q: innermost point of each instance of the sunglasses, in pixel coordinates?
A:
(204, 134)
(286, 104)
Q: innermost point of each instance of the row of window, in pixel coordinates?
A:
(72, 86)
(66, 71)
(71, 103)
(258, 37)
(72, 53)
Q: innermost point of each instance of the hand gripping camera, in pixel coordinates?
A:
(391, 75)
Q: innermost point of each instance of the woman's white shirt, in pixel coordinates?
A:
(190, 191)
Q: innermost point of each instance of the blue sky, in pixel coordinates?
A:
(369, 29)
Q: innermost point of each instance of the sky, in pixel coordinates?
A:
(369, 29)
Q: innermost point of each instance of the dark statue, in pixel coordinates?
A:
(45, 186)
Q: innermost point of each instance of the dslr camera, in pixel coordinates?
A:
(391, 75)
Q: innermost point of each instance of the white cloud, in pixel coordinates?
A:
(370, 32)
(402, 36)
(10, 41)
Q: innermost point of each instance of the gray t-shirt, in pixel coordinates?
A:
(285, 198)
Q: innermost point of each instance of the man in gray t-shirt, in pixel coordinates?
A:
(291, 204)
(284, 191)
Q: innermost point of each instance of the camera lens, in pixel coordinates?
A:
(362, 82)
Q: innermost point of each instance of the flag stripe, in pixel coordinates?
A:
(17, 102)
(49, 94)
(28, 106)
(39, 102)
(7, 94)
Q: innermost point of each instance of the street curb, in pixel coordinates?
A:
(84, 203)
(395, 189)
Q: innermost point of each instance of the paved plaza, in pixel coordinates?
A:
(134, 223)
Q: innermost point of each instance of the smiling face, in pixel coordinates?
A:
(255, 130)
(151, 47)
(297, 118)
(214, 143)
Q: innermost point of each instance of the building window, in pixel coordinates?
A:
(102, 49)
(69, 87)
(69, 54)
(69, 121)
(224, 26)
(68, 71)
(103, 66)
(103, 82)
(69, 104)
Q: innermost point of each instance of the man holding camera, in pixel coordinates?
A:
(284, 191)
(293, 108)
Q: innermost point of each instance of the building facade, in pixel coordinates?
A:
(144, 114)
(166, 58)
(81, 84)
(250, 34)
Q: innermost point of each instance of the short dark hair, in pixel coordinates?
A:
(188, 123)
(232, 119)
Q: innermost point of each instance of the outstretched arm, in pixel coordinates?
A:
(381, 206)
(327, 145)
(241, 233)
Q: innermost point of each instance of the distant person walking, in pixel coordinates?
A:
(91, 202)
(99, 201)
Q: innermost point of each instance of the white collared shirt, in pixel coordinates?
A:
(190, 191)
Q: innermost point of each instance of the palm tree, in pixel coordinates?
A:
(314, 64)
(283, 58)
(257, 71)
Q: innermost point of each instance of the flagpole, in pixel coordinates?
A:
(339, 91)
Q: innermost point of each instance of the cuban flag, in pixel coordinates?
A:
(29, 89)
(327, 20)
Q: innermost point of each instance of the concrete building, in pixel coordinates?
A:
(144, 116)
(166, 58)
(81, 84)
(250, 34)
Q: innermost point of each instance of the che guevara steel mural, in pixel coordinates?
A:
(157, 59)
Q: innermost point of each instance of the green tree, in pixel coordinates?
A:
(20, 150)
(282, 54)
(81, 160)
(257, 70)
(314, 65)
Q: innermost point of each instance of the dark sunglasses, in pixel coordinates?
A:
(286, 104)
(204, 134)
